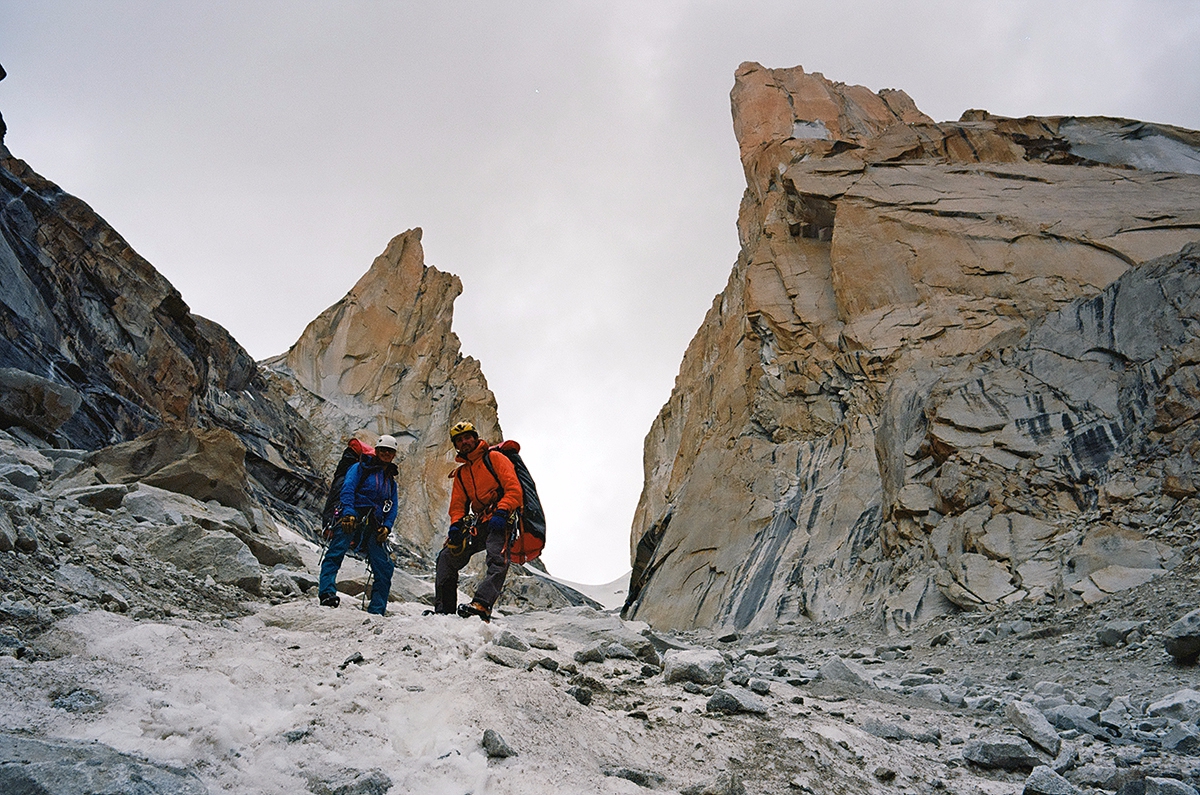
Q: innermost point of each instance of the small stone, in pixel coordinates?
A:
(495, 746)
(885, 774)
(616, 651)
(509, 658)
(759, 686)
(763, 649)
(510, 640)
(591, 654)
(581, 694)
(643, 778)
(734, 701)
(1115, 633)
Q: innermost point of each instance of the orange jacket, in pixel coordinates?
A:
(473, 482)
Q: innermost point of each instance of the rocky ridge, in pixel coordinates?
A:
(938, 378)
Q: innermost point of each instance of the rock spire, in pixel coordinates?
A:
(383, 359)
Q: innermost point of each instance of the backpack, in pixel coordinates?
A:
(355, 452)
(530, 531)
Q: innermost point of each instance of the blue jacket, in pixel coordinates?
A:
(370, 485)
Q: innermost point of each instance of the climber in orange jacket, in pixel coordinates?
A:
(484, 503)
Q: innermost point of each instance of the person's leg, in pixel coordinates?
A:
(497, 568)
(381, 568)
(445, 581)
(334, 553)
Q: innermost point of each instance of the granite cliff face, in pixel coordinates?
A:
(84, 317)
(384, 360)
(933, 380)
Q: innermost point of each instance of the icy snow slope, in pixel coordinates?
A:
(265, 704)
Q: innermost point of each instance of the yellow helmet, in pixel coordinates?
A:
(459, 428)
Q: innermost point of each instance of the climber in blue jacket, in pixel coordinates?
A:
(368, 511)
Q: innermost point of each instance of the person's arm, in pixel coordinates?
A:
(349, 487)
(458, 500)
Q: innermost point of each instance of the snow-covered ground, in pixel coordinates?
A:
(268, 703)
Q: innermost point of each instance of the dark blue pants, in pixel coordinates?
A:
(377, 555)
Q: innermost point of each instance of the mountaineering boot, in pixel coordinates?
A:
(330, 600)
(475, 608)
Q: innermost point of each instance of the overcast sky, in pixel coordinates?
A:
(572, 162)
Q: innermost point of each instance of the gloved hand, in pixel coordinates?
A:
(499, 521)
(348, 522)
(456, 539)
(381, 535)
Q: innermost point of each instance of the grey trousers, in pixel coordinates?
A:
(449, 564)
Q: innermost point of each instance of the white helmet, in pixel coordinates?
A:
(386, 442)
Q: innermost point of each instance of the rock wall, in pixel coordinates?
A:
(82, 309)
(842, 434)
(384, 360)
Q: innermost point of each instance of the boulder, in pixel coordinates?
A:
(205, 552)
(1182, 705)
(1033, 726)
(160, 506)
(102, 497)
(37, 404)
(68, 766)
(206, 464)
(702, 666)
(20, 475)
(1115, 632)
(846, 671)
(1167, 786)
(735, 700)
(1001, 751)
(1182, 639)
(1182, 738)
(1044, 781)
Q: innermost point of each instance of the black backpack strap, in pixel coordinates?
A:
(487, 461)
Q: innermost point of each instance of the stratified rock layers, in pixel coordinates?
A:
(924, 376)
(81, 309)
(384, 360)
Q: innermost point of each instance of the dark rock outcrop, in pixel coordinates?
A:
(69, 767)
(80, 308)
